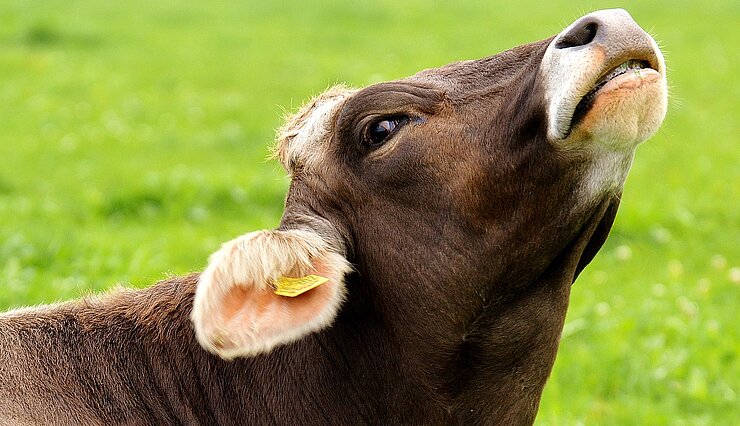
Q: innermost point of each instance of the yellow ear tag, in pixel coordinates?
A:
(292, 287)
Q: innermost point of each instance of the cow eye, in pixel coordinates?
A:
(381, 130)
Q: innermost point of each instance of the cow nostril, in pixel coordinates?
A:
(580, 35)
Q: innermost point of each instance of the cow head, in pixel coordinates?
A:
(458, 191)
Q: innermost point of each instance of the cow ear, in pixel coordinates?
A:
(236, 311)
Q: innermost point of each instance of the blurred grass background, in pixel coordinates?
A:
(135, 136)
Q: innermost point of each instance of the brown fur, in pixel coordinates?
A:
(466, 231)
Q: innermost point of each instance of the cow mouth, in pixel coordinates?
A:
(628, 68)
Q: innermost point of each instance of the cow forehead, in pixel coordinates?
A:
(471, 77)
(305, 134)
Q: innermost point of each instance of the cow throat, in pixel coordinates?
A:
(500, 368)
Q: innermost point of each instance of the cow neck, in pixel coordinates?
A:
(470, 358)
(510, 347)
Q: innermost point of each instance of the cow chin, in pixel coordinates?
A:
(626, 111)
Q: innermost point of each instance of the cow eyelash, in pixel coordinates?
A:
(381, 130)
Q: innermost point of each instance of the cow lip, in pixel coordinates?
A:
(612, 72)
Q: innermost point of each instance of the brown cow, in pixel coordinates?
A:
(449, 214)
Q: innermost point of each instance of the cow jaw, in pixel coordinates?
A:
(604, 79)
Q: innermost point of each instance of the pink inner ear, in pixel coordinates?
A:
(258, 316)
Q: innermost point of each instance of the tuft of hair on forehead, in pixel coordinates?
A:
(301, 139)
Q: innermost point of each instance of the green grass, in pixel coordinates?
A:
(134, 138)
